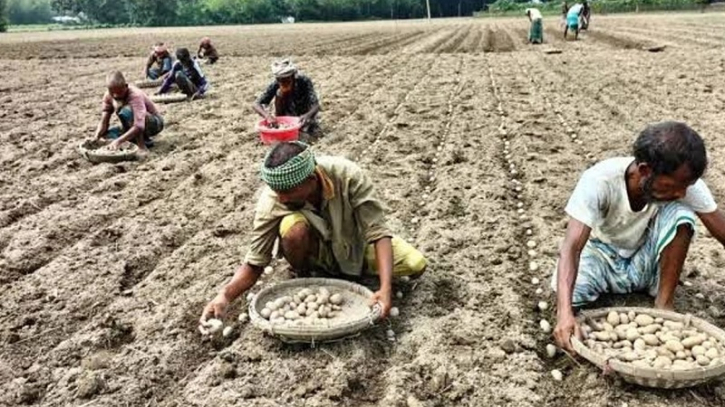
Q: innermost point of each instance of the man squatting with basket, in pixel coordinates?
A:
(631, 223)
(293, 95)
(327, 218)
(140, 119)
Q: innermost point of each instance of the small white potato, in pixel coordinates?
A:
(641, 363)
(650, 354)
(693, 340)
(533, 266)
(390, 333)
(632, 334)
(629, 357)
(336, 307)
(322, 312)
(680, 355)
(622, 344)
(311, 298)
(550, 350)
(681, 365)
(532, 253)
(297, 299)
(607, 327)
(291, 315)
(644, 320)
(712, 353)
(336, 299)
(631, 315)
(543, 305)
(265, 313)
(623, 319)
(698, 350)
(228, 331)
(662, 362)
(703, 360)
(707, 345)
(640, 344)
(311, 306)
(613, 318)
(673, 325)
(539, 291)
(302, 309)
(545, 326)
(314, 315)
(534, 281)
(601, 336)
(650, 339)
(674, 345)
(399, 295)
(250, 297)
(650, 329)
(243, 317)
(394, 312)
(214, 325)
(323, 292)
(274, 315)
(322, 299)
(557, 375)
(531, 244)
(715, 362)
(279, 303)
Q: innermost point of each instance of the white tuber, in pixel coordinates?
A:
(394, 312)
(533, 266)
(336, 299)
(268, 270)
(534, 281)
(531, 244)
(550, 350)
(543, 305)
(557, 375)
(227, 331)
(545, 326)
(214, 325)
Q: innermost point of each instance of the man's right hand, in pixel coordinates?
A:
(215, 309)
(566, 326)
(271, 121)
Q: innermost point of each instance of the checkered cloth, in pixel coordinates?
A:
(292, 173)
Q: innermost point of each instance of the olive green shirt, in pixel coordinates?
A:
(350, 218)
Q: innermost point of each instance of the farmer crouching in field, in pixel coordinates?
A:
(187, 75)
(159, 62)
(536, 32)
(572, 20)
(140, 120)
(207, 51)
(327, 217)
(631, 223)
(293, 95)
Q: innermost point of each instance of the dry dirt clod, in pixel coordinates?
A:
(508, 346)
(89, 384)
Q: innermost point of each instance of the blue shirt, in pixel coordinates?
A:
(194, 73)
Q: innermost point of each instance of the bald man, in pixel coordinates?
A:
(139, 117)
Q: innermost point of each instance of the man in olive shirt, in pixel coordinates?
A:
(326, 215)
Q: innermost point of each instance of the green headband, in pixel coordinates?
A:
(292, 173)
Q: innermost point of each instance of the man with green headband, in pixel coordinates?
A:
(327, 218)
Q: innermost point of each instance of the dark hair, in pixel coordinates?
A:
(666, 146)
(283, 152)
(182, 54)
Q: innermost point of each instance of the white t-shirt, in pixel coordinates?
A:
(535, 14)
(600, 201)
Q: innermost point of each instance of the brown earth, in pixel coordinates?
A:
(104, 268)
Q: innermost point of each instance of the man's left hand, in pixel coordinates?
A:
(384, 298)
(303, 119)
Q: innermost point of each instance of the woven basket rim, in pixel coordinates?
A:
(97, 156)
(312, 333)
(699, 374)
(148, 83)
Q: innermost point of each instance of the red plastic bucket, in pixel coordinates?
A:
(291, 131)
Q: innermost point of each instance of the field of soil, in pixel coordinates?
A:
(104, 269)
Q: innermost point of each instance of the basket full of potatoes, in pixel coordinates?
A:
(313, 310)
(652, 348)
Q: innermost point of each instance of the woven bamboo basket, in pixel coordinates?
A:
(93, 151)
(169, 98)
(651, 377)
(359, 316)
(149, 83)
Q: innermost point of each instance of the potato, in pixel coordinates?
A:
(314, 315)
(311, 306)
(336, 299)
(703, 360)
(631, 315)
(550, 351)
(674, 325)
(339, 308)
(302, 310)
(650, 354)
(323, 292)
(297, 298)
(650, 329)
(265, 313)
(663, 351)
(680, 355)
(631, 334)
(644, 320)
(279, 303)
(557, 375)
(607, 327)
(623, 319)
(322, 312)
(650, 339)
(698, 350)
(629, 357)
(333, 314)
(712, 353)
(546, 327)
(311, 298)
(305, 292)
(600, 336)
(681, 365)
(640, 344)
(693, 340)
(662, 362)
(323, 299)
(613, 318)
(674, 345)
(659, 320)
(214, 325)
(622, 344)
(291, 315)
(707, 345)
